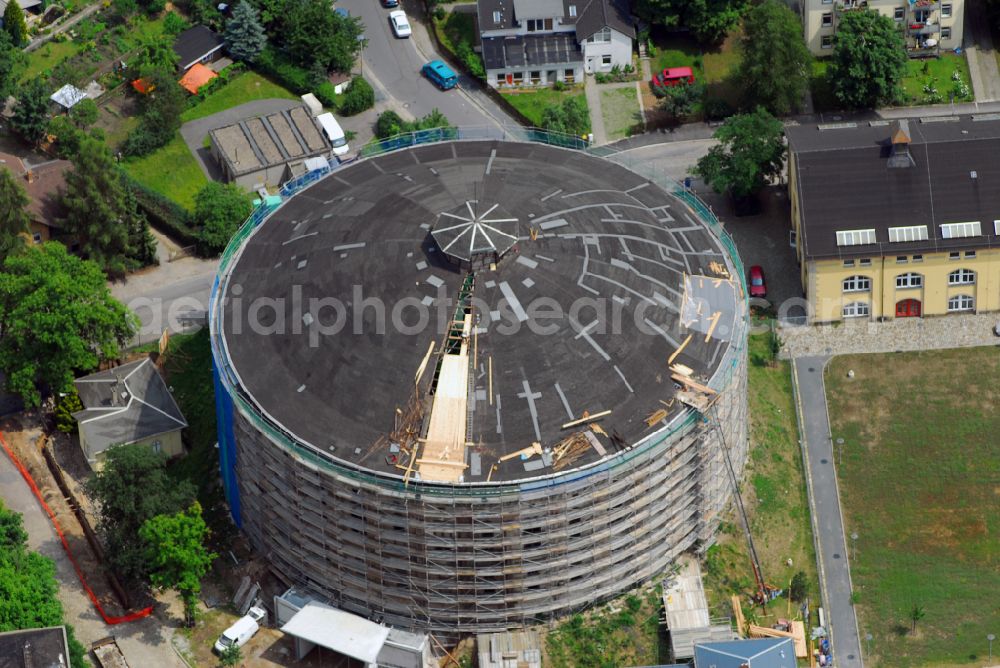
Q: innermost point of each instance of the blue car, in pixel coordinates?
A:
(390, 3)
(440, 74)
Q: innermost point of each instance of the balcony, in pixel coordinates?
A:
(841, 6)
(923, 6)
(923, 29)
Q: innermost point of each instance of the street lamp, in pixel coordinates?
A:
(840, 451)
(868, 641)
(990, 637)
(854, 545)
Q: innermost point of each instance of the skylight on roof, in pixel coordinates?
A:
(960, 230)
(996, 227)
(910, 233)
(855, 237)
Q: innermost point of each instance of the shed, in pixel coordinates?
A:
(125, 405)
(342, 632)
(197, 45)
(755, 653)
(196, 77)
(68, 96)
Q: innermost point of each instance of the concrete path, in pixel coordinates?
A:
(144, 642)
(593, 93)
(72, 21)
(978, 42)
(827, 519)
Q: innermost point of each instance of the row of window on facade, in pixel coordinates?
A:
(909, 280)
(534, 77)
(903, 259)
(956, 304)
(826, 41)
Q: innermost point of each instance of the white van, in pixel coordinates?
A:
(240, 633)
(334, 133)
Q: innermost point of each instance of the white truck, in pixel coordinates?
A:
(240, 633)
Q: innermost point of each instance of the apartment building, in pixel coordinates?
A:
(539, 42)
(895, 220)
(929, 26)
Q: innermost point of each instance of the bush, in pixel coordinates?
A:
(174, 24)
(470, 59)
(326, 94)
(220, 209)
(359, 96)
(68, 404)
(273, 62)
(559, 86)
(388, 124)
(163, 213)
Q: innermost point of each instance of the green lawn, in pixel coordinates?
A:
(819, 86)
(920, 485)
(454, 28)
(245, 87)
(620, 109)
(532, 103)
(774, 493)
(171, 171)
(716, 67)
(920, 72)
(48, 56)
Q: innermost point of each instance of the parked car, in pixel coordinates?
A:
(400, 25)
(442, 75)
(239, 634)
(671, 76)
(390, 3)
(335, 133)
(758, 288)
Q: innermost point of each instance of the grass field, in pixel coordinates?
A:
(775, 496)
(620, 110)
(454, 28)
(171, 171)
(48, 56)
(920, 485)
(246, 87)
(940, 69)
(532, 103)
(716, 67)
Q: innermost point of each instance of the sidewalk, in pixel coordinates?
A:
(593, 94)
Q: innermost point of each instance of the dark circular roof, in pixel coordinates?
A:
(336, 299)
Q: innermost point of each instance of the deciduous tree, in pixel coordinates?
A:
(245, 37)
(869, 60)
(313, 32)
(916, 614)
(709, 20)
(161, 111)
(219, 210)
(570, 117)
(31, 114)
(57, 318)
(751, 151)
(12, 61)
(775, 67)
(84, 113)
(679, 100)
(134, 487)
(176, 552)
(14, 217)
(14, 24)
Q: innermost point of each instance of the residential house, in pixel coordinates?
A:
(928, 26)
(124, 405)
(539, 42)
(198, 45)
(34, 648)
(898, 219)
(752, 653)
(43, 184)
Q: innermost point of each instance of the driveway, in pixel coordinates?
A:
(828, 522)
(144, 642)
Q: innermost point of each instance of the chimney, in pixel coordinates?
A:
(899, 157)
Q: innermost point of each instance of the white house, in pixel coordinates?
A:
(539, 42)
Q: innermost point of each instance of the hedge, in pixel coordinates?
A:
(297, 79)
(163, 213)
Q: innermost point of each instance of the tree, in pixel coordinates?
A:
(869, 60)
(175, 550)
(775, 67)
(68, 404)
(313, 32)
(14, 217)
(916, 614)
(358, 97)
(134, 487)
(231, 656)
(709, 20)
(798, 588)
(31, 115)
(84, 113)
(161, 111)
(12, 62)
(679, 100)
(570, 117)
(28, 586)
(15, 25)
(57, 318)
(95, 205)
(389, 123)
(751, 151)
(245, 37)
(141, 242)
(156, 53)
(219, 210)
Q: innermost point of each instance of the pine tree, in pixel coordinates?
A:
(13, 215)
(31, 114)
(68, 404)
(141, 243)
(244, 34)
(14, 24)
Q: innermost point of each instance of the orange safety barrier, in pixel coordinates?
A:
(145, 612)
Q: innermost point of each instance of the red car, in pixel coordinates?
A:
(758, 288)
(671, 76)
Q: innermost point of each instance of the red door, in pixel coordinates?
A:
(908, 308)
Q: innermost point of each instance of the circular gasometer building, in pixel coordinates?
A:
(470, 386)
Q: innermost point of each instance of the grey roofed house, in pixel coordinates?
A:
(126, 404)
(599, 13)
(853, 176)
(35, 648)
(68, 96)
(524, 50)
(588, 15)
(752, 653)
(196, 45)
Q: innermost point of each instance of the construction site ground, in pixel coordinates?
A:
(919, 482)
(774, 493)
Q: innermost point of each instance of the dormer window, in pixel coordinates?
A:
(496, 16)
(572, 11)
(601, 36)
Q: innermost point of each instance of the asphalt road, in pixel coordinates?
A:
(828, 522)
(393, 67)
